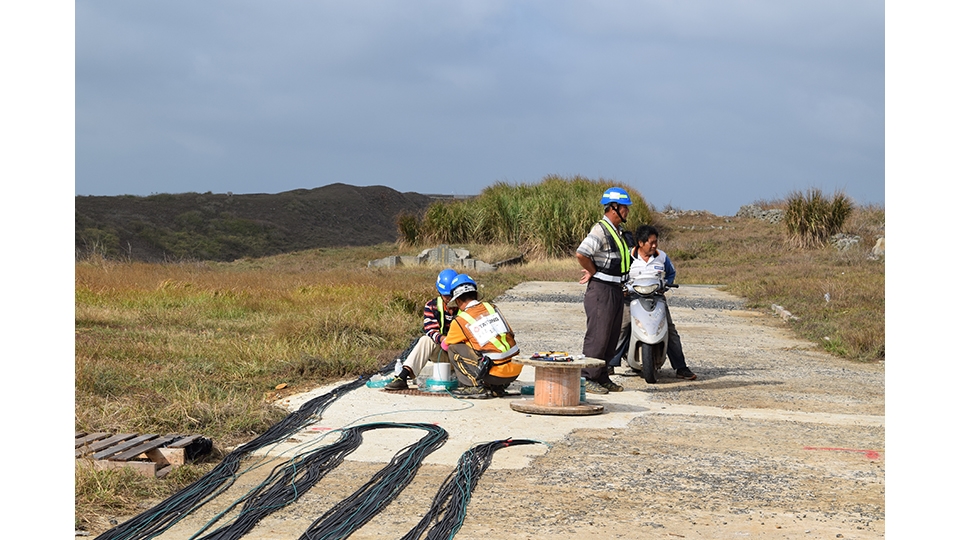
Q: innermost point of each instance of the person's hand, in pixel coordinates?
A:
(585, 277)
(443, 344)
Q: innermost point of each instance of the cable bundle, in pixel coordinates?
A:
(164, 515)
(449, 506)
(287, 482)
(357, 509)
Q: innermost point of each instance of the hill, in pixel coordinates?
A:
(224, 227)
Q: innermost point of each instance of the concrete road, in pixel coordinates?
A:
(775, 439)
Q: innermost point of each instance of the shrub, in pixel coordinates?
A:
(545, 219)
(811, 219)
(408, 228)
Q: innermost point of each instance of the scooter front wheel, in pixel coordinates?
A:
(648, 363)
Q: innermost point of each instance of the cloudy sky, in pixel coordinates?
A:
(698, 104)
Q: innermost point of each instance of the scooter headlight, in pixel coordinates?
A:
(646, 286)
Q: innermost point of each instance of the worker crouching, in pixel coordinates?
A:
(481, 345)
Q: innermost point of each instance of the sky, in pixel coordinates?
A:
(699, 104)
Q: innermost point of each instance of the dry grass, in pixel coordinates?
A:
(750, 258)
(100, 494)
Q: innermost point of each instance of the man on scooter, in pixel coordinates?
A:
(648, 260)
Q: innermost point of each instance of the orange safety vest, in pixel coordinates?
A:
(500, 347)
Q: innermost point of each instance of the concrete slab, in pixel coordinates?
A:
(469, 422)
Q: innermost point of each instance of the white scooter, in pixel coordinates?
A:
(648, 327)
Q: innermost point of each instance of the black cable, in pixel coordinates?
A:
(449, 506)
(162, 516)
(287, 482)
(358, 508)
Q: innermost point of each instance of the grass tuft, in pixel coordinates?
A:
(811, 218)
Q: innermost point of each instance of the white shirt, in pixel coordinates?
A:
(655, 267)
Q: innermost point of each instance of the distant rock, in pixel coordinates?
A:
(671, 213)
(879, 249)
(843, 241)
(442, 255)
(774, 215)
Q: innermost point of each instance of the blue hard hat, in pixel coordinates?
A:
(462, 284)
(444, 279)
(615, 195)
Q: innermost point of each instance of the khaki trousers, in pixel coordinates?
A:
(426, 350)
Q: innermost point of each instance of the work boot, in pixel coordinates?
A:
(396, 384)
(400, 381)
(471, 392)
(593, 387)
(685, 373)
(612, 386)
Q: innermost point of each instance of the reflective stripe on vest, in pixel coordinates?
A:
(621, 247)
(499, 342)
(443, 314)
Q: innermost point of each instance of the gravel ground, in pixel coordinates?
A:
(775, 439)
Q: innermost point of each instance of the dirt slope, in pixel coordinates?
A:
(226, 226)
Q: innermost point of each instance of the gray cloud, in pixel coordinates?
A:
(700, 104)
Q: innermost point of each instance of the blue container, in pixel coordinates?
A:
(434, 385)
(379, 383)
(583, 389)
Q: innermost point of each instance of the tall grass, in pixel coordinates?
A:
(548, 219)
(811, 218)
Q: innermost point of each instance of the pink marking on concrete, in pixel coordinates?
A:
(869, 454)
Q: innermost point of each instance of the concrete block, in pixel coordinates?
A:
(386, 262)
(481, 266)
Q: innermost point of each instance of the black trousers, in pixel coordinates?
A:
(603, 304)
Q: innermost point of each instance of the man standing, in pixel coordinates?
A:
(605, 258)
(481, 345)
(432, 346)
(649, 261)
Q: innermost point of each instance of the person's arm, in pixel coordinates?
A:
(585, 252)
(669, 271)
(431, 321)
(589, 269)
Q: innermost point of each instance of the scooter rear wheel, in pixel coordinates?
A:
(648, 363)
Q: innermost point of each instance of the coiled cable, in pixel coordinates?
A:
(449, 507)
(362, 505)
(161, 517)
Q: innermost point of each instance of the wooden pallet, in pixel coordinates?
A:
(151, 455)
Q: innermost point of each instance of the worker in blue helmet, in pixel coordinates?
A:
(604, 256)
(482, 345)
(432, 346)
